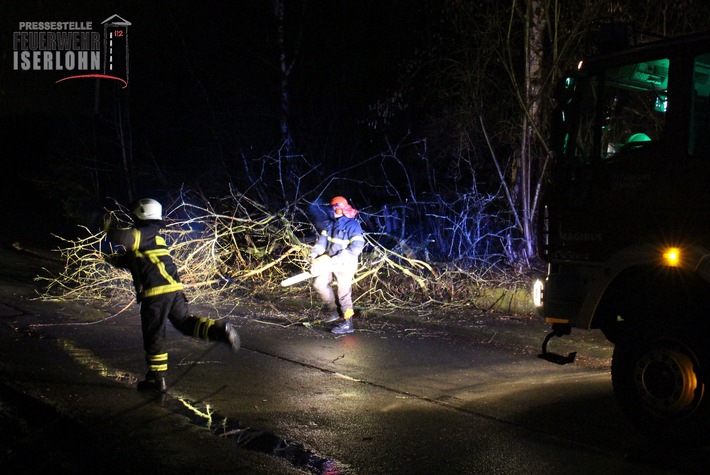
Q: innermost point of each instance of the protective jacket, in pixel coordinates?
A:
(341, 237)
(148, 258)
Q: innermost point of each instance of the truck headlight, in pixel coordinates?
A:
(538, 287)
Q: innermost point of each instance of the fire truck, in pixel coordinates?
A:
(624, 226)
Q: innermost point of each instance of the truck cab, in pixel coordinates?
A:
(624, 226)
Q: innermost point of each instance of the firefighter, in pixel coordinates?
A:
(159, 291)
(341, 241)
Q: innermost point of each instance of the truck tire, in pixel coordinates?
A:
(660, 383)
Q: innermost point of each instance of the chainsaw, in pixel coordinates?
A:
(320, 266)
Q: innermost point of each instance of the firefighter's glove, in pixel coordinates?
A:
(321, 265)
(117, 260)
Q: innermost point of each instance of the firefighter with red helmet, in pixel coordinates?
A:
(341, 241)
(159, 291)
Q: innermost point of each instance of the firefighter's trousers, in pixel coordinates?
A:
(156, 311)
(344, 284)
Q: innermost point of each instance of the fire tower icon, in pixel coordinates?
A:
(116, 47)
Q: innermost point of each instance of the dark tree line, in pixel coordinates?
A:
(431, 116)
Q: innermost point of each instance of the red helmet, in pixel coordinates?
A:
(341, 207)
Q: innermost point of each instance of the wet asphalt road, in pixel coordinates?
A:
(390, 398)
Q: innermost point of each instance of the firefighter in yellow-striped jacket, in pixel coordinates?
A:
(159, 291)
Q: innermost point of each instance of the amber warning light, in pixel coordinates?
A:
(671, 256)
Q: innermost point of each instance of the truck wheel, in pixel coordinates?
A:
(661, 386)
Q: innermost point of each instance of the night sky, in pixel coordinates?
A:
(203, 95)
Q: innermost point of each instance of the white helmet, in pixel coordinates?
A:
(148, 209)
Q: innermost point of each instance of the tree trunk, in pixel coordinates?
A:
(285, 71)
(535, 29)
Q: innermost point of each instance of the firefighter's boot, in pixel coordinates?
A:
(347, 326)
(154, 382)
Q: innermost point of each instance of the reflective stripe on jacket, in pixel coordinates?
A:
(341, 235)
(153, 270)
